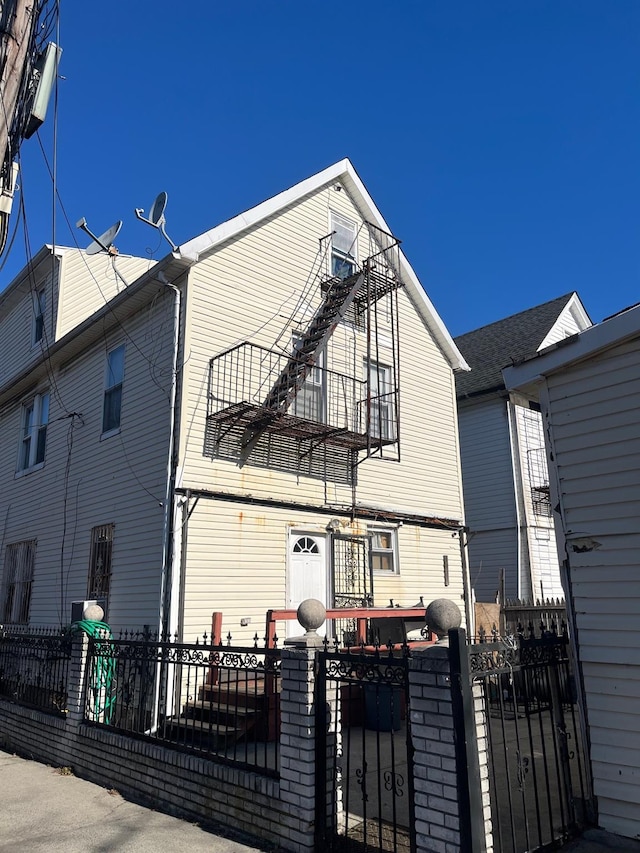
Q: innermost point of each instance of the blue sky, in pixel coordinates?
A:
(500, 140)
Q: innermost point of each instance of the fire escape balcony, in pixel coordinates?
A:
(330, 408)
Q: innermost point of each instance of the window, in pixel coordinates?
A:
(383, 549)
(113, 390)
(35, 417)
(343, 246)
(310, 399)
(19, 562)
(100, 561)
(382, 419)
(39, 307)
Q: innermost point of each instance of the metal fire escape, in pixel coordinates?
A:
(258, 390)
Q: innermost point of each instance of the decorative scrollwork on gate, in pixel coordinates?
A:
(394, 782)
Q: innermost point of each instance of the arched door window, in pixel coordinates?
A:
(306, 545)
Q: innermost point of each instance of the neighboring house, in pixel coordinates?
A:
(588, 393)
(512, 548)
(307, 447)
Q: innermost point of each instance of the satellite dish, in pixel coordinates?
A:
(102, 243)
(105, 241)
(156, 217)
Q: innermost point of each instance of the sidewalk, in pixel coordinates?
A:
(46, 811)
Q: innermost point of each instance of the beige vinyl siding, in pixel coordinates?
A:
(17, 319)
(86, 481)
(247, 290)
(89, 282)
(238, 560)
(596, 444)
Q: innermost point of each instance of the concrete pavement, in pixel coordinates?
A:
(45, 810)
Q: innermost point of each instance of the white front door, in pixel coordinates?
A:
(307, 576)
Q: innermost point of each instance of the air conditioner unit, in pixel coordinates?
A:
(78, 608)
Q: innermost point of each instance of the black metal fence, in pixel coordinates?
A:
(364, 756)
(524, 698)
(221, 701)
(34, 668)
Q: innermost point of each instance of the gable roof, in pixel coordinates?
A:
(505, 342)
(345, 174)
(614, 330)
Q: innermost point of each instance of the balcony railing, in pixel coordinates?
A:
(331, 407)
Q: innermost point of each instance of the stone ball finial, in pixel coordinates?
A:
(443, 614)
(311, 614)
(93, 613)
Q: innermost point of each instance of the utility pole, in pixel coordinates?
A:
(17, 24)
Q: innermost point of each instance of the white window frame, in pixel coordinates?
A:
(33, 433)
(341, 252)
(19, 565)
(382, 413)
(377, 549)
(113, 383)
(39, 312)
(315, 384)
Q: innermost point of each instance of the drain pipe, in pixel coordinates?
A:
(168, 513)
(164, 626)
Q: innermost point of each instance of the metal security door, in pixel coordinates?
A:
(351, 579)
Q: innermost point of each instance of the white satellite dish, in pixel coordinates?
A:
(156, 217)
(104, 242)
(157, 210)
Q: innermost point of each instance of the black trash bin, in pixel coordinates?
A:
(382, 707)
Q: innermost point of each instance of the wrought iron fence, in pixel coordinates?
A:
(525, 698)
(223, 701)
(364, 785)
(34, 668)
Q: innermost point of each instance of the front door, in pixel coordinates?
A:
(307, 576)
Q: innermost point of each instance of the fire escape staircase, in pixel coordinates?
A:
(337, 301)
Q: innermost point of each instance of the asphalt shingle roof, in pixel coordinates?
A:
(488, 349)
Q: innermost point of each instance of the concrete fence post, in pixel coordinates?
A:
(76, 680)
(298, 728)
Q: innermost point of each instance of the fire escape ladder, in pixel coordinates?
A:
(336, 303)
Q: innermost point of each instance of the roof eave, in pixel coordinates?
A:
(344, 172)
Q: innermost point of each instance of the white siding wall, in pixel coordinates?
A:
(89, 282)
(596, 444)
(238, 559)
(17, 318)
(489, 496)
(248, 290)
(87, 482)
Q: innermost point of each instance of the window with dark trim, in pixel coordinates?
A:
(39, 308)
(114, 378)
(19, 562)
(100, 561)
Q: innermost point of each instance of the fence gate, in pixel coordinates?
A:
(524, 707)
(364, 784)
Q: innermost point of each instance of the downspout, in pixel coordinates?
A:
(469, 614)
(513, 441)
(164, 625)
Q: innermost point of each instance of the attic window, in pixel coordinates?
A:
(343, 246)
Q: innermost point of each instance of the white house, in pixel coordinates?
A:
(588, 392)
(512, 549)
(264, 415)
